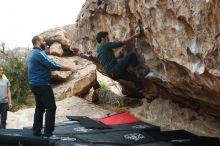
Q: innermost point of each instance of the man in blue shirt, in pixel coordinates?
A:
(39, 75)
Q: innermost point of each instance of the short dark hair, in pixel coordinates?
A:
(100, 35)
(35, 39)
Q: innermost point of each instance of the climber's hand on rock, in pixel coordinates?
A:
(128, 40)
(217, 35)
(137, 34)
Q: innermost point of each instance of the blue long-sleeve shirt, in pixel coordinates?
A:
(39, 67)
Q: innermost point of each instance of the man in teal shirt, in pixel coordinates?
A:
(118, 69)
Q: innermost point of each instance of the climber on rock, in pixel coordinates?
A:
(217, 35)
(119, 69)
(137, 45)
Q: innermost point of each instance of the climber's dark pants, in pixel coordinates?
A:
(45, 100)
(120, 70)
(3, 112)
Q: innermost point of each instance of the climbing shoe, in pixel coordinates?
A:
(152, 98)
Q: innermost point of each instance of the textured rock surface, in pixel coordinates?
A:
(179, 44)
(56, 49)
(92, 97)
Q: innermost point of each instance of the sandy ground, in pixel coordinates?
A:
(74, 106)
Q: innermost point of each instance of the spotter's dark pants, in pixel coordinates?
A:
(4, 113)
(45, 101)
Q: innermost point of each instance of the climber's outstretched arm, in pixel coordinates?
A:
(128, 40)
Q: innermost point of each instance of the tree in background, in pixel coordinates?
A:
(2, 45)
(16, 71)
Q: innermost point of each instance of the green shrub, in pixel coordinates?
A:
(105, 86)
(16, 71)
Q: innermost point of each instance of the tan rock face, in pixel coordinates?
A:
(56, 49)
(179, 43)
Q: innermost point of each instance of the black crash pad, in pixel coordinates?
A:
(117, 137)
(22, 137)
(73, 127)
(88, 123)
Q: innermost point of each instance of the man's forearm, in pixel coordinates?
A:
(128, 40)
(65, 68)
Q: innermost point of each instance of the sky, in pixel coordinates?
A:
(23, 19)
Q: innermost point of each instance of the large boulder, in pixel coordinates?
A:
(56, 35)
(77, 84)
(179, 43)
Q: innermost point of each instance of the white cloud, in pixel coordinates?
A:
(22, 19)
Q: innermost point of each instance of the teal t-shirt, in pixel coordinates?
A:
(4, 84)
(106, 55)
